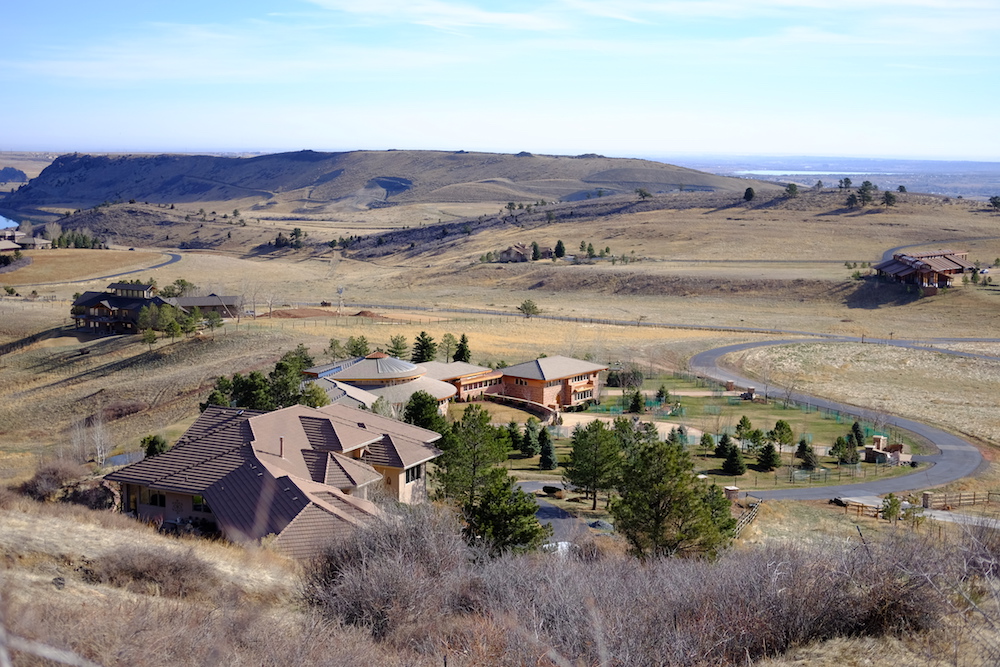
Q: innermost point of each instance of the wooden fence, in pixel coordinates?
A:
(937, 501)
(746, 519)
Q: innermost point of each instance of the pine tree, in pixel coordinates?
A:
(548, 460)
(462, 352)
(560, 250)
(593, 460)
(664, 510)
(769, 458)
(734, 464)
(397, 346)
(503, 518)
(723, 446)
(424, 348)
(530, 445)
(514, 434)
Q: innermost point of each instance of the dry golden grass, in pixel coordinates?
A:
(77, 264)
(887, 379)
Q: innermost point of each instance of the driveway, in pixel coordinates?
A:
(957, 458)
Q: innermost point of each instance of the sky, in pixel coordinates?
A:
(865, 78)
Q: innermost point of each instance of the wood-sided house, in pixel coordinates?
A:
(926, 269)
(115, 310)
(555, 382)
(302, 474)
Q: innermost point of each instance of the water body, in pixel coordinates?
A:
(787, 172)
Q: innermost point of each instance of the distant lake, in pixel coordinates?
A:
(790, 172)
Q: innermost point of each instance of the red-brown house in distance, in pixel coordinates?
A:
(926, 269)
(555, 382)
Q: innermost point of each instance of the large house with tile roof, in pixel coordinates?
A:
(304, 475)
(555, 382)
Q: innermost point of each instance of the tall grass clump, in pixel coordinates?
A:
(165, 572)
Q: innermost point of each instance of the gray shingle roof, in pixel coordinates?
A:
(552, 368)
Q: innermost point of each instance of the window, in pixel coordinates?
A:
(198, 504)
(149, 496)
(520, 381)
(414, 473)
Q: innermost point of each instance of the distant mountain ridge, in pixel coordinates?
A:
(309, 181)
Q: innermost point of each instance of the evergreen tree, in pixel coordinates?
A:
(858, 433)
(664, 510)
(398, 347)
(153, 445)
(423, 410)
(467, 465)
(503, 518)
(734, 465)
(637, 404)
(662, 395)
(424, 348)
(723, 446)
(251, 392)
(593, 459)
(781, 434)
(548, 460)
(560, 249)
(707, 442)
(743, 429)
(530, 445)
(448, 343)
(514, 434)
(769, 458)
(313, 396)
(462, 352)
(749, 194)
(357, 347)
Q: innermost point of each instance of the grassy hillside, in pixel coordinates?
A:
(308, 182)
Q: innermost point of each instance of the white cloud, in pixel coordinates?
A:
(444, 15)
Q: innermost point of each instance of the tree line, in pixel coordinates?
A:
(424, 348)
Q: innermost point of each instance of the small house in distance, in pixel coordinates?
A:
(926, 269)
(225, 306)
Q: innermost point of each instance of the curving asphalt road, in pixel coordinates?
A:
(957, 458)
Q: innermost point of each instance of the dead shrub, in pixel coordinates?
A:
(169, 573)
(8, 497)
(50, 478)
(93, 496)
(117, 410)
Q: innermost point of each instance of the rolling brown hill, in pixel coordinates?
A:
(315, 182)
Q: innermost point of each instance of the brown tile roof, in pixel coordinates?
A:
(313, 529)
(266, 473)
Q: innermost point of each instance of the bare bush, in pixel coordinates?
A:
(596, 605)
(50, 478)
(168, 573)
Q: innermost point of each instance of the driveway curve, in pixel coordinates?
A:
(957, 458)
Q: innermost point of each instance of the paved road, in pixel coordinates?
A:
(173, 258)
(565, 526)
(957, 458)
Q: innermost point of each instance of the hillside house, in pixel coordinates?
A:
(11, 234)
(302, 474)
(555, 382)
(35, 243)
(523, 253)
(8, 246)
(925, 269)
(115, 311)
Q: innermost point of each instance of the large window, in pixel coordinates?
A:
(414, 473)
(152, 497)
